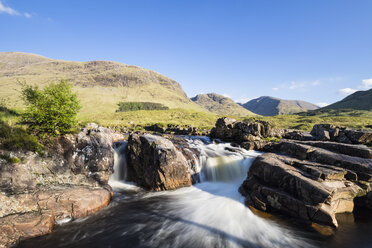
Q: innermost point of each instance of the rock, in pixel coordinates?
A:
(310, 180)
(85, 158)
(301, 189)
(191, 154)
(68, 182)
(176, 130)
(30, 215)
(89, 152)
(297, 135)
(356, 165)
(352, 150)
(253, 145)
(154, 163)
(329, 132)
(235, 131)
(321, 131)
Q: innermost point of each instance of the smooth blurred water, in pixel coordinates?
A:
(208, 214)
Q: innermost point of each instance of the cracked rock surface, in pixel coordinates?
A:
(310, 180)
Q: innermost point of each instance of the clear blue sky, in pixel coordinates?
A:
(294, 49)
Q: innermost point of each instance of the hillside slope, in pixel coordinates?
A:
(220, 105)
(360, 100)
(100, 85)
(270, 106)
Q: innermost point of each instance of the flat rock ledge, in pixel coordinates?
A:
(310, 180)
(24, 216)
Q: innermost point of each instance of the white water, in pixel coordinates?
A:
(212, 213)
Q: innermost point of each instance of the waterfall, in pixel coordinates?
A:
(222, 162)
(120, 161)
(118, 179)
(208, 214)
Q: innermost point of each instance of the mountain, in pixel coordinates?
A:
(100, 85)
(360, 100)
(220, 105)
(270, 106)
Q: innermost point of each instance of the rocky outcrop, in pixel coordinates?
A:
(155, 164)
(310, 180)
(252, 135)
(89, 152)
(329, 132)
(177, 130)
(228, 129)
(69, 181)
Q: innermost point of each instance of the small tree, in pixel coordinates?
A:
(51, 110)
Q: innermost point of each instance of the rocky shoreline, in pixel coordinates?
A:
(66, 183)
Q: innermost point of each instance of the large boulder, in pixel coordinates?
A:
(309, 180)
(155, 164)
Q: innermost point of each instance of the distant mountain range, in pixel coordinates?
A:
(270, 106)
(360, 100)
(220, 105)
(101, 85)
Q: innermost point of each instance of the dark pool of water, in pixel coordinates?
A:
(133, 220)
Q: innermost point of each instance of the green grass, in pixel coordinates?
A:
(305, 121)
(13, 136)
(182, 117)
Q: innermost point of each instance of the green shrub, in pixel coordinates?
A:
(16, 138)
(13, 160)
(134, 106)
(52, 110)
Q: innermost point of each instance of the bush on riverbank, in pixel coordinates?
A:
(51, 110)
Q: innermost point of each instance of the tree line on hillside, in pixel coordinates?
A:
(134, 106)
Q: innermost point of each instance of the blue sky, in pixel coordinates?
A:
(314, 50)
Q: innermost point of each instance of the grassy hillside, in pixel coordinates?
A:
(100, 85)
(360, 100)
(220, 105)
(270, 106)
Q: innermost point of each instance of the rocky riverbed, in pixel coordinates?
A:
(310, 176)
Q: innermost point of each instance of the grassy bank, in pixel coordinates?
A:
(305, 121)
(181, 117)
(204, 120)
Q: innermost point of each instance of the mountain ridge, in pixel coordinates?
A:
(270, 106)
(100, 85)
(221, 105)
(360, 100)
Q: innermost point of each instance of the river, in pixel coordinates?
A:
(208, 214)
